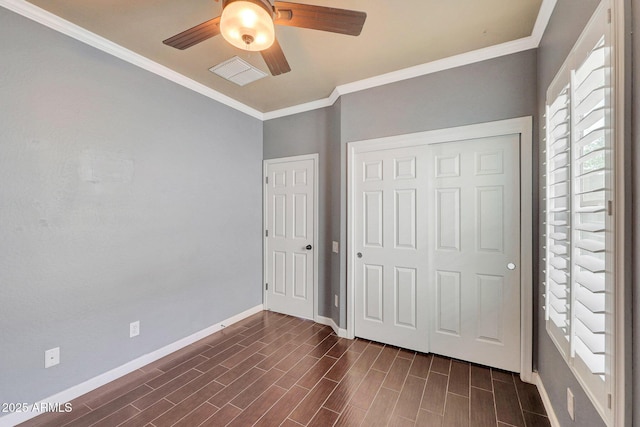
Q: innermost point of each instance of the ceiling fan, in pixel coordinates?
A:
(249, 24)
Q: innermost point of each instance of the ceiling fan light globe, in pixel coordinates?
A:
(246, 18)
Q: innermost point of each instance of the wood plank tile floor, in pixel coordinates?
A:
(276, 370)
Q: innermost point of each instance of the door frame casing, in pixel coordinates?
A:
(522, 126)
(265, 164)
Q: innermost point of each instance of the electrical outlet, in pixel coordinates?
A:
(570, 407)
(52, 357)
(134, 329)
(336, 248)
(335, 300)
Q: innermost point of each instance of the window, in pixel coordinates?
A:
(579, 239)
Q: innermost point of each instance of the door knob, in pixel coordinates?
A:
(359, 255)
(511, 266)
(309, 247)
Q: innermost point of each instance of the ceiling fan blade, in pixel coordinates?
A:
(322, 18)
(195, 35)
(275, 59)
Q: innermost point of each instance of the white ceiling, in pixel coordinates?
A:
(396, 35)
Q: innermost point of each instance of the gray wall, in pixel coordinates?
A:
(335, 180)
(310, 133)
(497, 89)
(635, 144)
(316, 131)
(124, 197)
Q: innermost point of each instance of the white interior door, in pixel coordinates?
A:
(475, 251)
(290, 216)
(391, 246)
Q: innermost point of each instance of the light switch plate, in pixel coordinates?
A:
(134, 329)
(52, 357)
(335, 247)
(570, 406)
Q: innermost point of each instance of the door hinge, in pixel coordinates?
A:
(608, 16)
(266, 286)
(609, 207)
(609, 400)
(266, 179)
(266, 233)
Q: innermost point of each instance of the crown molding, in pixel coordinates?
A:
(467, 58)
(63, 26)
(491, 52)
(301, 108)
(544, 15)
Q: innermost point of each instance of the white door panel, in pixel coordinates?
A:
(448, 308)
(391, 273)
(476, 233)
(289, 219)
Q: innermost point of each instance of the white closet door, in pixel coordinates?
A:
(391, 246)
(474, 251)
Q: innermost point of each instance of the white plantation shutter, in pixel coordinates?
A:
(591, 149)
(579, 279)
(558, 217)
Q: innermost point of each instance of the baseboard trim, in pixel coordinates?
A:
(112, 375)
(342, 333)
(545, 400)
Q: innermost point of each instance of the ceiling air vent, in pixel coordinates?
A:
(238, 71)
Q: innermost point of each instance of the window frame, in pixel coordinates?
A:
(607, 20)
